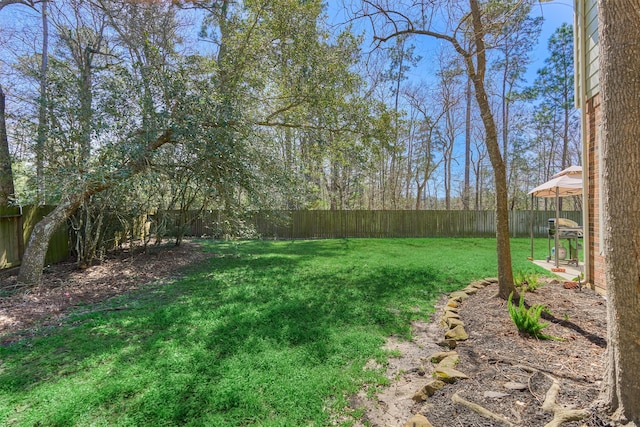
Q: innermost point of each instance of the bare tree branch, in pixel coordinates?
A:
(29, 3)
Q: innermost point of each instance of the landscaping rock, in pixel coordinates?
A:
(448, 362)
(446, 320)
(418, 421)
(479, 284)
(449, 314)
(470, 290)
(428, 390)
(449, 343)
(495, 394)
(458, 333)
(449, 309)
(458, 296)
(515, 386)
(453, 303)
(452, 322)
(449, 375)
(441, 355)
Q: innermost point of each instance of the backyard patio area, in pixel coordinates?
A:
(566, 271)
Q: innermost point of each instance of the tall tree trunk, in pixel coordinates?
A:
(466, 192)
(409, 172)
(42, 108)
(477, 74)
(619, 64)
(394, 170)
(86, 111)
(478, 187)
(6, 177)
(505, 113)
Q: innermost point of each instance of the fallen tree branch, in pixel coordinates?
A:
(481, 410)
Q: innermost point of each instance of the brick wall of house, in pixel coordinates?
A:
(593, 138)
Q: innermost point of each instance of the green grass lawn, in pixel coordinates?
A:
(265, 333)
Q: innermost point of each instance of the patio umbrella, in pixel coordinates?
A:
(565, 183)
(575, 171)
(560, 186)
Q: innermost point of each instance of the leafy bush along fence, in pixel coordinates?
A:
(15, 229)
(340, 224)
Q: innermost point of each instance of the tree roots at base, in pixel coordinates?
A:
(561, 415)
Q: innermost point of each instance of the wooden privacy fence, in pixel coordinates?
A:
(15, 229)
(360, 223)
(16, 226)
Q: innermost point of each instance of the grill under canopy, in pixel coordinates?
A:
(569, 230)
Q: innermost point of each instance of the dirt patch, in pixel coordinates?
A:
(510, 373)
(64, 286)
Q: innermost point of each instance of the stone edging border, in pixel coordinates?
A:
(446, 361)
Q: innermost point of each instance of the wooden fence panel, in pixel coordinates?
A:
(10, 237)
(15, 230)
(313, 224)
(337, 224)
(317, 224)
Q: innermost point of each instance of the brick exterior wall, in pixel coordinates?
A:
(593, 139)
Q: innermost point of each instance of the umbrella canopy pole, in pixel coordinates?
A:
(531, 226)
(556, 240)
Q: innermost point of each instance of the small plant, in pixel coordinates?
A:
(528, 319)
(579, 278)
(526, 281)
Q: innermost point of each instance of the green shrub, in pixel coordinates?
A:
(526, 281)
(528, 320)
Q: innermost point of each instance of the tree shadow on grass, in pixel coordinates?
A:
(162, 357)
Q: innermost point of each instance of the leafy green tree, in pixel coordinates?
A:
(401, 60)
(128, 98)
(554, 87)
(520, 35)
(102, 144)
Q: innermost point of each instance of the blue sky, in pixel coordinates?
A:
(555, 13)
